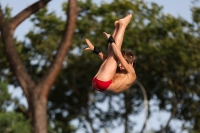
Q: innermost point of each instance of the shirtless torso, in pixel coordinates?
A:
(121, 82)
(116, 74)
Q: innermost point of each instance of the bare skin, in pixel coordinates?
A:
(123, 79)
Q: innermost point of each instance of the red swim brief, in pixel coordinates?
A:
(100, 85)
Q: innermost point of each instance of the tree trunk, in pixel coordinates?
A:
(39, 121)
(127, 112)
(36, 94)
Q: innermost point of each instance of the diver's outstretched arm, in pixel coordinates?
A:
(101, 55)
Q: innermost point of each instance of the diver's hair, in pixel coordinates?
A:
(129, 56)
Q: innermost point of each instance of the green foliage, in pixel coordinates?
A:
(41, 44)
(5, 73)
(7, 13)
(168, 65)
(5, 97)
(10, 122)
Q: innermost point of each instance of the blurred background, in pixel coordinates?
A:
(165, 36)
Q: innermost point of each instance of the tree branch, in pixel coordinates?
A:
(51, 74)
(7, 31)
(146, 105)
(13, 57)
(1, 18)
(171, 116)
(15, 21)
(89, 120)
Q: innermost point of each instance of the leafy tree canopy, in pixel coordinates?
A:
(11, 122)
(168, 65)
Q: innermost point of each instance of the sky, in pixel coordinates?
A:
(174, 7)
(177, 8)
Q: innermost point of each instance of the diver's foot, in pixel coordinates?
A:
(125, 21)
